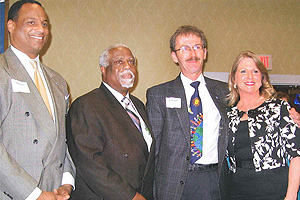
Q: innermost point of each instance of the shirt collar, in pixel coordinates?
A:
(22, 56)
(186, 81)
(116, 94)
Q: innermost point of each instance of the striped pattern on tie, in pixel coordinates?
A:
(131, 114)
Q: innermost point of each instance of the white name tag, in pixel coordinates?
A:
(19, 86)
(172, 102)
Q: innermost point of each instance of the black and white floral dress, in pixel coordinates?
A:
(259, 148)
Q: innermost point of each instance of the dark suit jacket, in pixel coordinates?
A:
(33, 151)
(171, 131)
(109, 152)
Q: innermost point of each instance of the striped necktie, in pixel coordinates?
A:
(132, 115)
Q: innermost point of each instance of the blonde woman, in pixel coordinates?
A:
(262, 136)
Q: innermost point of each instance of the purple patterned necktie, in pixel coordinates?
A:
(196, 124)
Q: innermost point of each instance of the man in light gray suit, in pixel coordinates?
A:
(34, 161)
(179, 175)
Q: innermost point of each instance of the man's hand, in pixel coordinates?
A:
(138, 196)
(295, 115)
(64, 190)
(50, 196)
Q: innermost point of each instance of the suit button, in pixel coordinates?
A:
(60, 166)
(126, 155)
(181, 182)
(27, 114)
(35, 141)
(187, 158)
(221, 127)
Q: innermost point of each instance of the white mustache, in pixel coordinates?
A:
(127, 71)
(126, 82)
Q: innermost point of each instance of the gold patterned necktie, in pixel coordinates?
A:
(40, 85)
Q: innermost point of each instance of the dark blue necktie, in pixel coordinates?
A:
(196, 124)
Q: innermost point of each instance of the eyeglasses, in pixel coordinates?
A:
(186, 48)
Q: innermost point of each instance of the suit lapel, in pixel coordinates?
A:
(143, 115)
(33, 99)
(177, 90)
(150, 166)
(59, 106)
(123, 118)
(57, 95)
(213, 91)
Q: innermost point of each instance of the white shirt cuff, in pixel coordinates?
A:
(68, 179)
(35, 194)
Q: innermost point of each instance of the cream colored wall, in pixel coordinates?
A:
(82, 29)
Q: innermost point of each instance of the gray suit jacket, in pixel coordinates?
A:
(33, 151)
(171, 131)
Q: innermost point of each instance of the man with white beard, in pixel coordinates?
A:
(109, 135)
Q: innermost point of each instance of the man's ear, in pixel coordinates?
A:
(103, 71)
(205, 54)
(174, 57)
(10, 26)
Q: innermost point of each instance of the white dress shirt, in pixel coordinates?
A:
(145, 130)
(25, 60)
(211, 119)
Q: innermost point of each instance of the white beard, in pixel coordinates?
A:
(128, 82)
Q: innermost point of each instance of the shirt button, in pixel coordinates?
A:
(126, 155)
(181, 182)
(187, 158)
(35, 141)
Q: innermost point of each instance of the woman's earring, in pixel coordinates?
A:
(234, 86)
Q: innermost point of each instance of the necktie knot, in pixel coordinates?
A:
(126, 101)
(195, 84)
(34, 64)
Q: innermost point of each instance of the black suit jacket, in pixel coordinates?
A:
(171, 131)
(109, 152)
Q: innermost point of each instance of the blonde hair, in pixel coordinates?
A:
(266, 90)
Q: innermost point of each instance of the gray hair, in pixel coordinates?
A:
(105, 56)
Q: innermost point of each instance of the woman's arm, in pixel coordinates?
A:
(294, 179)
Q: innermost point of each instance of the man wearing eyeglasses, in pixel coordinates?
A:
(188, 118)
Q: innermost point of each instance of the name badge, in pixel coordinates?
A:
(172, 102)
(19, 86)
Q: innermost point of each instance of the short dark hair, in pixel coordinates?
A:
(187, 30)
(13, 13)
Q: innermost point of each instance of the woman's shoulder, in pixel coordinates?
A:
(276, 103)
